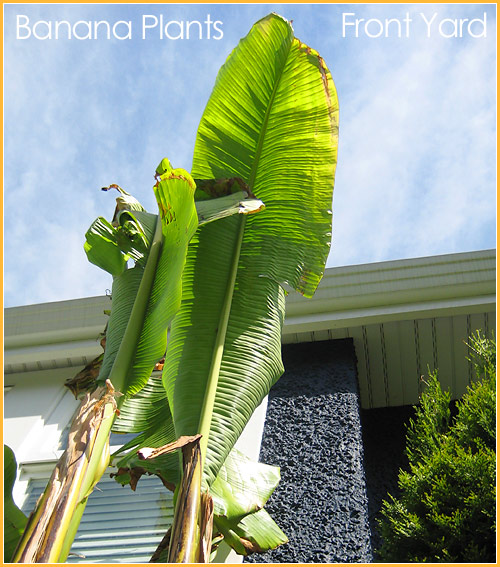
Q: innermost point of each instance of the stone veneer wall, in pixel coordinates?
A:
(313, 433)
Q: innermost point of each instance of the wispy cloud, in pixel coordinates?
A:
(416, 171)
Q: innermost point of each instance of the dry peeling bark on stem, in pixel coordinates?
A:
(191, 531)
(53, 523)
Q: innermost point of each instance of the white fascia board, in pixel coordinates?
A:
(397, 288)
(53, 338)
(382, 314)
(56, 322)
(56, 351)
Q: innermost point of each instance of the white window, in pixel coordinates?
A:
(118, 525)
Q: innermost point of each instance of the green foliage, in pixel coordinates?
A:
(14, 519)
(446, 510)
(277, 142)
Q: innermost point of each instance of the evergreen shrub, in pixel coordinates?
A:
(446, 508)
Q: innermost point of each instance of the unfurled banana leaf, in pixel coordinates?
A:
(240, 492)
(145, 297)
(13, 519)
(271, 121)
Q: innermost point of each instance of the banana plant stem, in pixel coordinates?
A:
(52, 527)
(63, 512)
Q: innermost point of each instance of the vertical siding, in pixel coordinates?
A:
(409, 372)
(426, 338)
(445, 357)
(363, 365)
(378, 385)
(393, 358)
(339, 333)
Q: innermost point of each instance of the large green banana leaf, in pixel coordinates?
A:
(146, 296)
(240, 492)
(256, 532)
(242, 486)
(272, 121)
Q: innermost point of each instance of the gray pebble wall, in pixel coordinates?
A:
(313, 433)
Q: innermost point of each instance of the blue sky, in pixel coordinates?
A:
(416, 173)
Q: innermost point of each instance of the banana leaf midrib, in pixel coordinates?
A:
(263, 130)
(128, 345)
(281, 245)
(208, 403)
(213, 378)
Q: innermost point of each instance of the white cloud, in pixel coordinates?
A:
(416, 161)
(416, 171)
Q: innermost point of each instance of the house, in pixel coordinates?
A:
(355, 350)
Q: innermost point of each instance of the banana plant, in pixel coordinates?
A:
(272, 120)
(145, 298)
(266, 144)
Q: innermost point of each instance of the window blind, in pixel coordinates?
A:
(118, 525)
